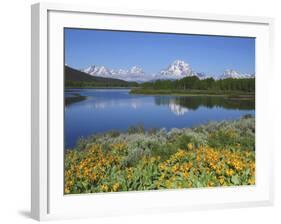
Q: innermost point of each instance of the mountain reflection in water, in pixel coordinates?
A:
(91, 111)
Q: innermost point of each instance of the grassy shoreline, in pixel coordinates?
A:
(231, 94)
(215, 154)
(163, 92)
(98, 87)
(75, 98)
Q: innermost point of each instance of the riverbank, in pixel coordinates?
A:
(73, 98)
(230, 94)
(215, 154)
(69, 89)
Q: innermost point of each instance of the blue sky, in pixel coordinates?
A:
(154, 51)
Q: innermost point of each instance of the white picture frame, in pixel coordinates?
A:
(48, 201)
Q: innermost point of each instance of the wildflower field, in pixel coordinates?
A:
(211, 155)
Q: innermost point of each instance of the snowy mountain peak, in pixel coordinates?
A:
(180, 63)
(135, 73)
(97, 70)
(231, 73)
(178, 67)
(136, 70)
(177, 70)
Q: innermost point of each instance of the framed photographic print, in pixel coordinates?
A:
(138, 111)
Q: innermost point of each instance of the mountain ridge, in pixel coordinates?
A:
(178, 69)
(76, 78)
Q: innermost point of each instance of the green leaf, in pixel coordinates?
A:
(235, 180)
(247, 172)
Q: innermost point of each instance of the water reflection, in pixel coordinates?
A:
(91, 111)
(179, 105)
(194, 102)
(177, 109)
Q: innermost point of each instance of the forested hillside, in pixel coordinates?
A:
(78, 79)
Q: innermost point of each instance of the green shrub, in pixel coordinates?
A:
(136, 129)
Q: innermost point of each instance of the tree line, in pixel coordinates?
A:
(194, 83)
(91, 84)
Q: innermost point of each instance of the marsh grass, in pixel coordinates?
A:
(215, 154)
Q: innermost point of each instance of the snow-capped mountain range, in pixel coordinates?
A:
(176, 70)
(135, 73)
(230, 73)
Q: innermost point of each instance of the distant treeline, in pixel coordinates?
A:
(194, 83)
(87, 84)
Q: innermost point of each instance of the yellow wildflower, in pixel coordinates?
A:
(104, 187)
(185, 175)
(251, 181)
(229, 172)
(189, 146)
(115, 186)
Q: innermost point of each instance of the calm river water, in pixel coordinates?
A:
(90, 111)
